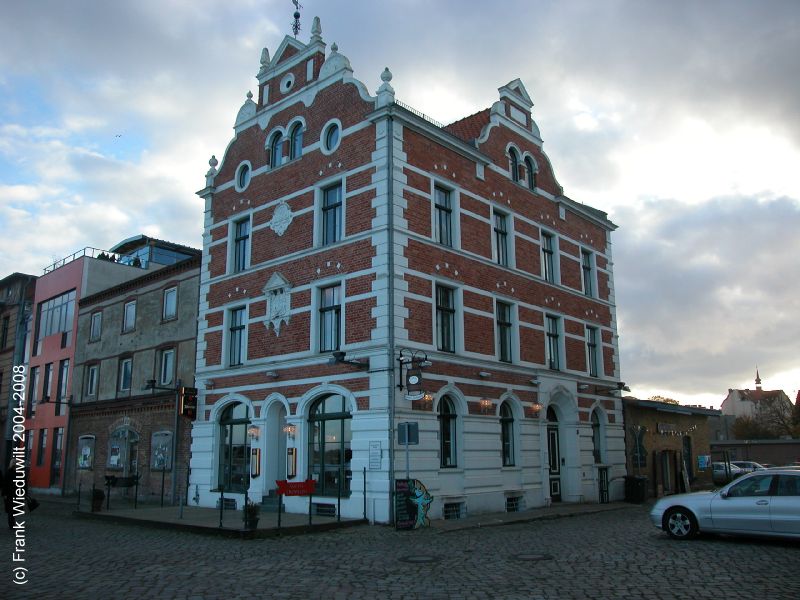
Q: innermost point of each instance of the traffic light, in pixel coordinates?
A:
(189, 402)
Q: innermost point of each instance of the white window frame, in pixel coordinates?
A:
(509, 235)
(337, 210)
(324, 135)
(589, 287)
(128, 326)
(590, 330)
(559, 349)
(319, 198)
(455, 219)
(167, 355)
(228, 335)
(238, 186)
(167, 292)
(316, 305)
(556, 280)
(121, 374)
(232, 240)
(513, 331)
(458, 316)
(95, 333)
(92, 380)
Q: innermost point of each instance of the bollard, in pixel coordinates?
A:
(221, 503)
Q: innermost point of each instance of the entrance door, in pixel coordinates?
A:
(554, 450)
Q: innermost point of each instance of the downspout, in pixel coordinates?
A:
(390, 193)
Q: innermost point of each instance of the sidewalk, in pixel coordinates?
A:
(207, 520)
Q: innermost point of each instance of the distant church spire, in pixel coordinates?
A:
(758, 380)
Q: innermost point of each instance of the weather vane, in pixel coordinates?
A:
(296, 22)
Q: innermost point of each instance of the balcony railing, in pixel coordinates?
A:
(98, 254)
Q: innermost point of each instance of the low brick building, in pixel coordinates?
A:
(136, 348)
(668, 444)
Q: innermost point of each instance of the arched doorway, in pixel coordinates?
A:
(234, 448)
(329, 452)
(123, 451)
(554, 452)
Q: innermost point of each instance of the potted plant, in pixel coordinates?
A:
(250, 514)
(98, 496)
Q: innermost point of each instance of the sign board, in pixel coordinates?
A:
(408, 434)
(296, 488)
(375, 455)
(702, 461)
(411, 503)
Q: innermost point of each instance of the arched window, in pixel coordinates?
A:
(514, 164)
(447, 432)
(507, 434)
(276, 150)
(329, 452)
(531, 172)
(123, 451)
(296, 142)
(234, 448)
(596, 438)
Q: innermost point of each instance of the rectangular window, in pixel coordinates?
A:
(55, 457)
(62, 396)
(501, 238)
(167, 368)
(587, 270)
(129, 316)
(41, 448)
(236, 337)
(125, 374)
(170, 304)
(548, 258)
(332, 214)
(241, 244)
(92, 372)
(443, 217)
(445, 319)
(48, 382)
(591, 350)
(54, 316)
(504, 330)
(552, 354)
(96, 328)
(28, 447)
(330, 312)
(4, 333)
(34, 386)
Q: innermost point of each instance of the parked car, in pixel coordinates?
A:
(748, 466)
(764, 503)
(722, 473)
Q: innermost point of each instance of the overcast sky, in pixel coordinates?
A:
(680, 119)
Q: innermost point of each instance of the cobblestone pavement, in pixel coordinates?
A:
(609, 555)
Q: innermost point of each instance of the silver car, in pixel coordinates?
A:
(760, 503)
(748, 466)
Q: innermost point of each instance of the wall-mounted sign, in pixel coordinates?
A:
(161, 451)
(291, 463)
(255, 462)
(374, 455)
(296, 488)
(408, 434)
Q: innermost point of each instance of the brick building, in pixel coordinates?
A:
(16, 301)
(136, 349)
(665, 440)
(350, 242)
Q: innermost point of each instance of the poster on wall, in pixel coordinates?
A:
(85, 452)
(411, 504)
(161, 451)
(702, 462)
(113, 456)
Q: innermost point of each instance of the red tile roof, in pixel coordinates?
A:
(469, 128)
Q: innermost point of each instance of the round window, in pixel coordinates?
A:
(332, 137)
(243, 177)
(287, 83)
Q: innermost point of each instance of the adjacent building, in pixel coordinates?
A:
(58, 290)
(762, 403)
(365, 266)
(136, 350)
(16, 300)
(669, 444)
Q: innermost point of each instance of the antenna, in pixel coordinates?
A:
(296, 22)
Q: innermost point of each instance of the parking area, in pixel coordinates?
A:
(615, 554)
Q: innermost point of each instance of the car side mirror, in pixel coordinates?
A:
(723, 495)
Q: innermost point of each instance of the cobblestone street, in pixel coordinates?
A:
(610, 555)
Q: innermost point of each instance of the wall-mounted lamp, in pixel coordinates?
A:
(272, 374)
(536, 407)
(486, 405)
(210, 384)
(534, 381)
(582, 387)
(253, 432)
(484, 374)
(339, 359)
(290, 430)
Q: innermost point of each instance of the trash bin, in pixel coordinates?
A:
(635, 489)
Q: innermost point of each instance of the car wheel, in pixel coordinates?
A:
(680, 524)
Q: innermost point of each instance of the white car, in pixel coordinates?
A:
(748, 466)
(760, 503)
(722, 473)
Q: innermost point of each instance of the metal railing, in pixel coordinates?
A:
(421, 115)
(90, 252)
